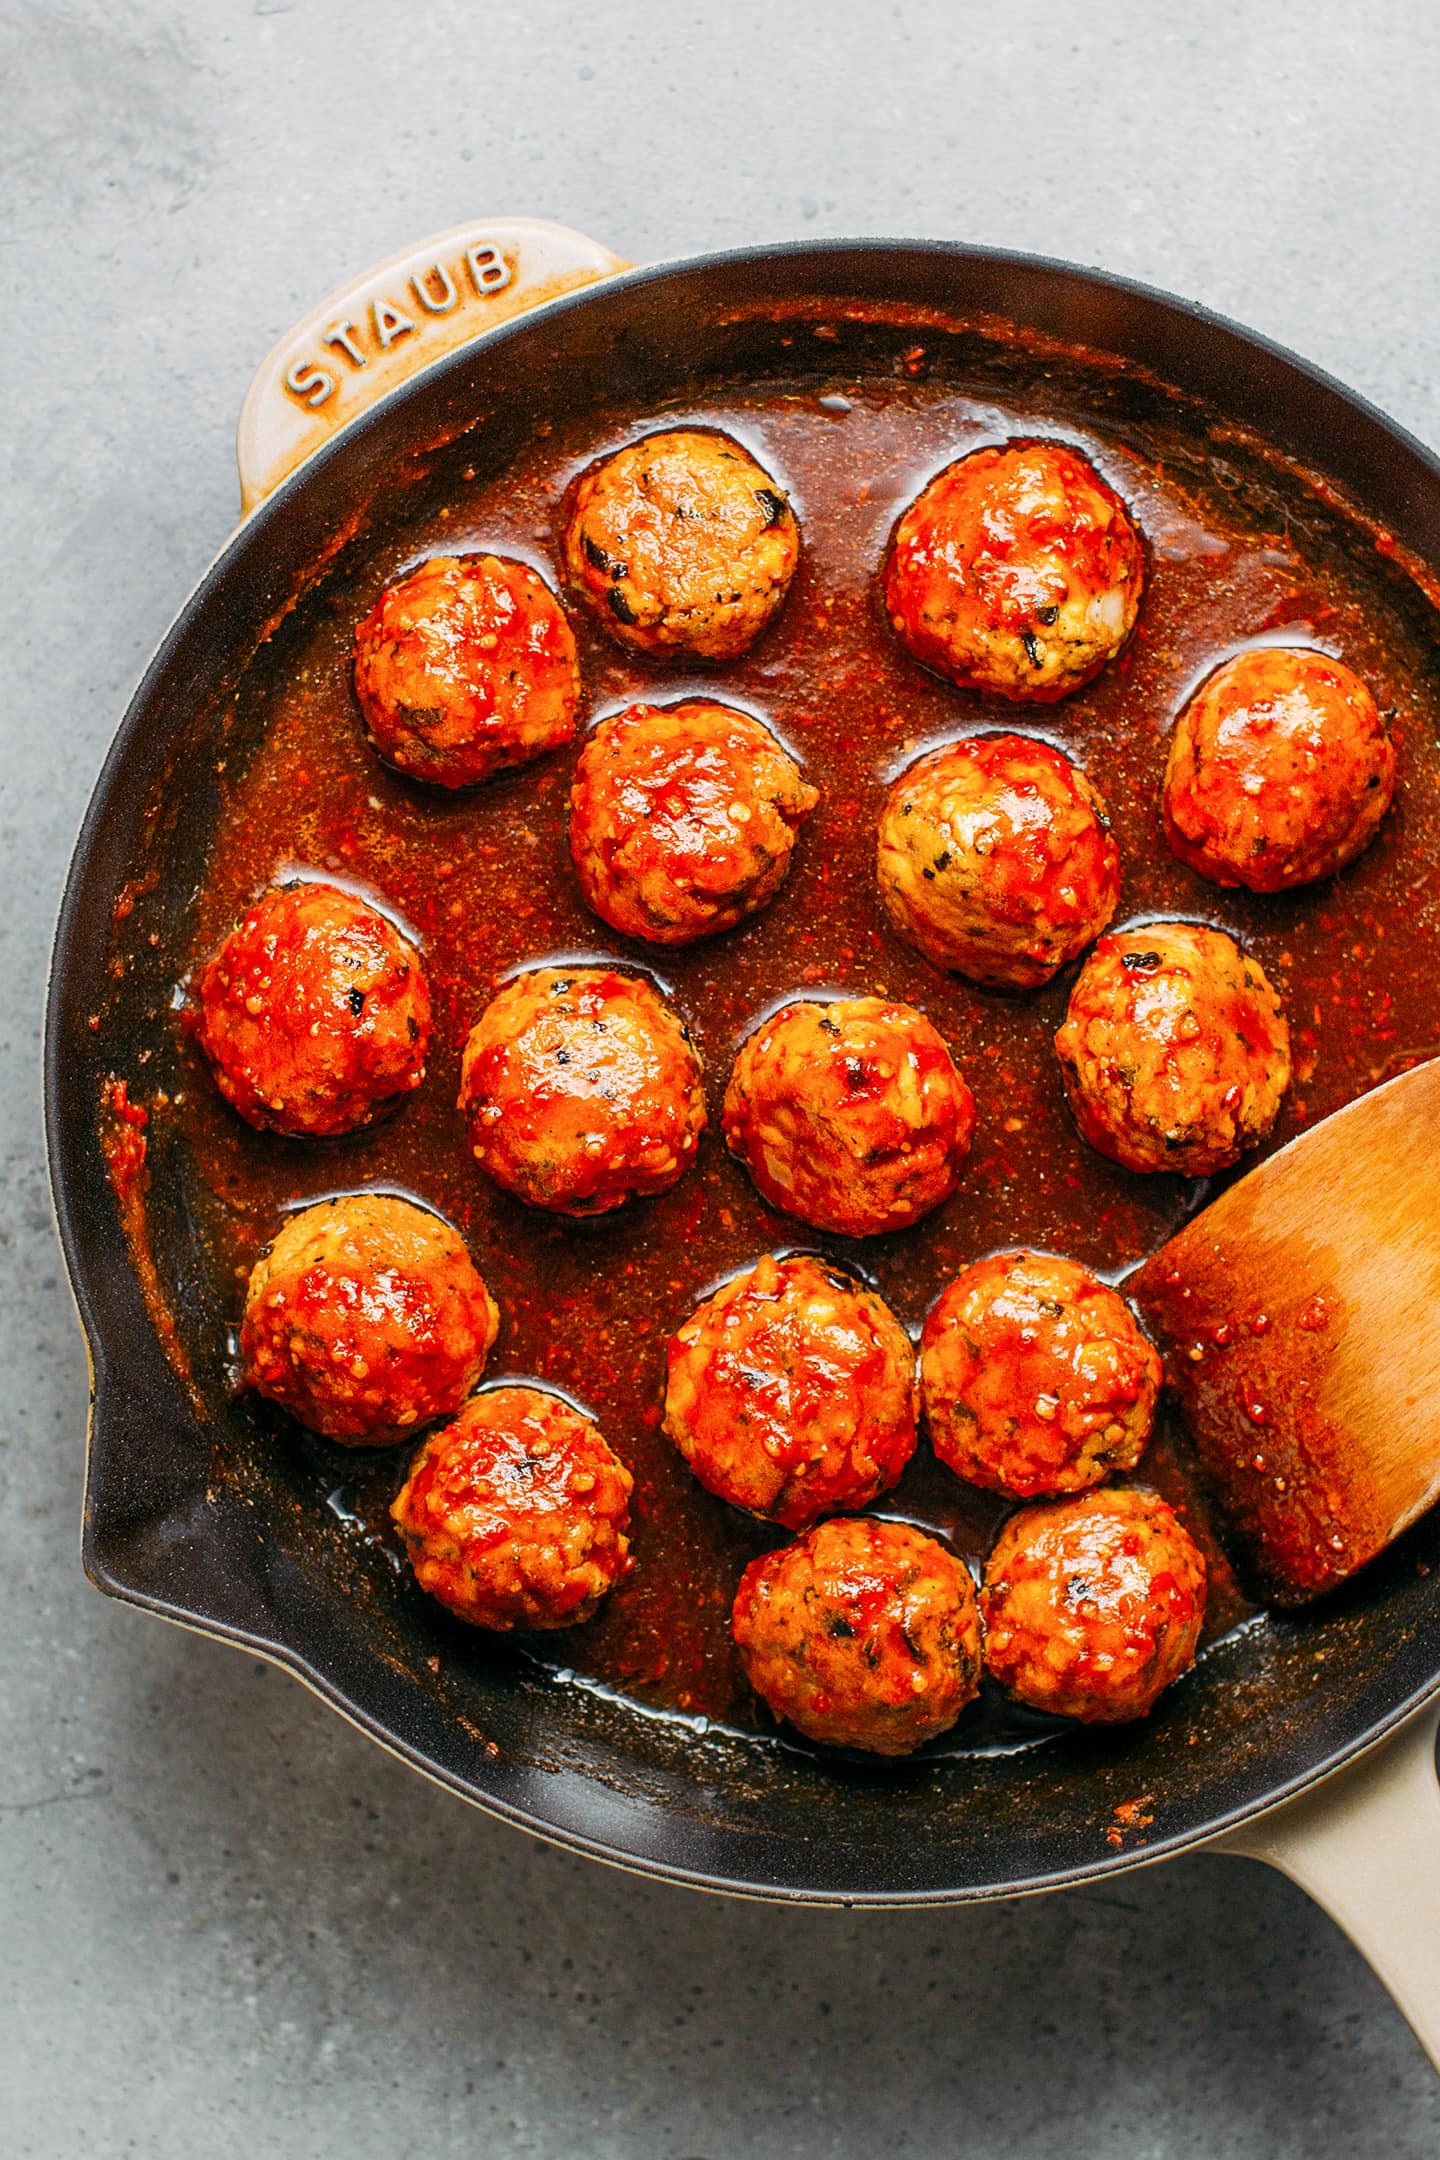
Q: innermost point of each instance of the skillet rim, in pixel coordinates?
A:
(1417, 1674)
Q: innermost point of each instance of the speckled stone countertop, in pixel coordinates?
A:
(230, 1925)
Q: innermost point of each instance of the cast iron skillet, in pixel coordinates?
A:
(182, 1513)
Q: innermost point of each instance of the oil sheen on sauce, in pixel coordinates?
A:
(483, 880)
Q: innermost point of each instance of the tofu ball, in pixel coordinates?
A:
(581, 1090)
(791, 1392)
(514, 1515)
(683, 819)
(365, 1319)
(996, 859)
(1017, 570)
(850, 1115)
(864, 1634)
(1035, 1376)
(1175, 1050)
(1280, 771)
(314, 1013)
(464, 667)
(682, 543)
(1093, 1606)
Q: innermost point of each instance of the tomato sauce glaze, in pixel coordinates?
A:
(483, 880)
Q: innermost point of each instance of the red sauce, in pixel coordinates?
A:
(126, 1149)
(122, 1140)
(484, 882)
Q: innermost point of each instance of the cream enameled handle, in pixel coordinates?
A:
(1366, 1846)
(391, 323)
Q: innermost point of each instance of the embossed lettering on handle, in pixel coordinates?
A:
(391, 323)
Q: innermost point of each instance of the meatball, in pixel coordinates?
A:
(864, 1634)
(996, 859)
(466, 666)
(581, 1090)
(1174, 1049)
(1280, 771)
(1016, 570)
(1036, 1377)
(514, 1515)
(683, 818)
(791, 1392)
(365, 1319)
(314, 1012)
(850, 1115)
(1093, 1606)
(681, 542)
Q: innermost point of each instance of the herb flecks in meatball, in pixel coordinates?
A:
(464, 667)
(366, 1319)
(314, 1012)
(850, 1115)
(1035, 1376)
(1093, 1606)
(514, 1515)
(1017, 570)
(865, 1634)
(681, 542)
(996, 860)
(683, 819)
(791, 1392)
(1175, 1050)
(581, 1090)
(1280, 771)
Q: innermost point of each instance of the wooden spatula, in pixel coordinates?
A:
(1299, 1319)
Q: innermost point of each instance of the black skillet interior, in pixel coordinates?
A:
(187, 1511)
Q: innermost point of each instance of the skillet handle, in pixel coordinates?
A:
(389, 324)
(1366, 1846)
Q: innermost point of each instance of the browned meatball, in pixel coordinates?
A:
(1036, 1377)
(1280, 771)
(996, 859)
(791, 1392)
(314, 1013)
(581, 1090)
(1174, 1049)
(464, 667)
(515, 1515)
(683, 818)
(1016, 570)
(365, 1319)
(850, 1115)
(1093, 1606)
(681, 542)
(865, 1634)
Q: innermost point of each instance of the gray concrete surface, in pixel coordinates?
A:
(227, 1924)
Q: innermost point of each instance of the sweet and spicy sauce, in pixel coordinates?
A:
(482, 879)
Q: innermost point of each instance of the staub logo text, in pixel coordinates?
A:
(434, 290)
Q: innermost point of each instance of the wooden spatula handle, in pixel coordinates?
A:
(1365, 1845)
